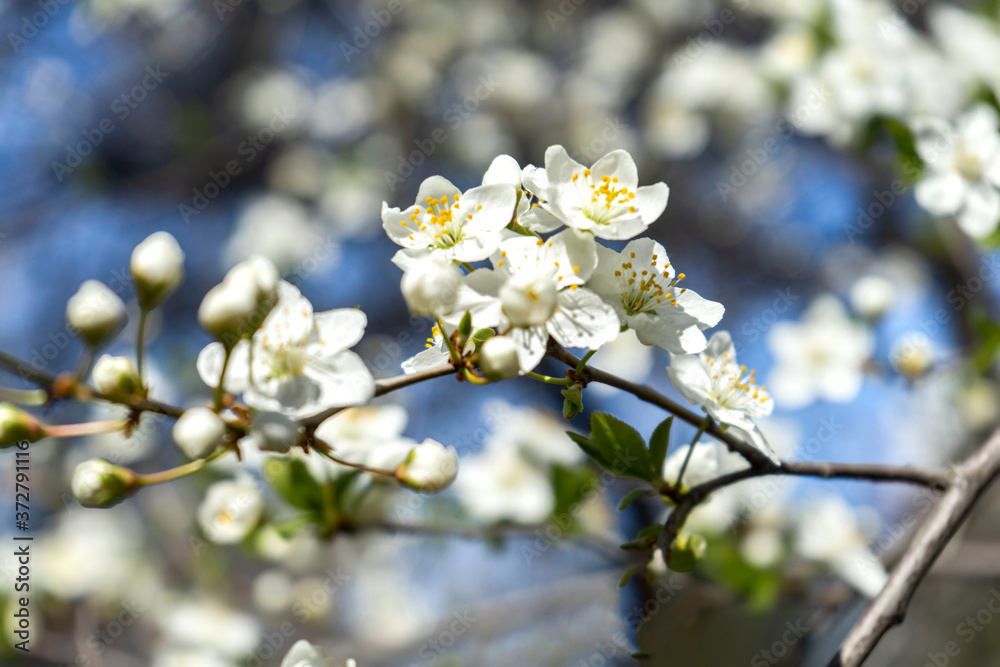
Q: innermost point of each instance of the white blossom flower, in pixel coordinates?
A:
(504, 169)
(912, 355)
(273, 432)
(230, 510)
(605, 199)
(96, 312)
(206, 623)
(828, 532)
(304, 654)
(872, 295)
(198, 432)
(157, 267)
(429, 467)
(640, 284)
(449, 225)
(727, 392)
(298, 362)
(821, 357)
(500, 483)
(237, 306)
(963, 168)
(535, 290)
(371, 435)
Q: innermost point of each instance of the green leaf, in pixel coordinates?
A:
(291, 479)
(631, 497)
(988, 332)
(523, 231)
(659, 444)
(590, 449)
(687, 551)
(570, 486)
(645, 540)
(628, 574)
(622, 446)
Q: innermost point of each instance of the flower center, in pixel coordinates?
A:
(967, 164)
(645, 289)
(605, 201)
(732, 385)
(529, 303)
(438, 219)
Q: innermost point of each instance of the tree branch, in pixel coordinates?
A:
(970, 479)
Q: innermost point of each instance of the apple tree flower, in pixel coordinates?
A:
(821, 357)
(449, 225)
(963, 168)
(642, 287)
(230, 510)
(605, 199)
(536, 290)
(298, 362)
(723, 388)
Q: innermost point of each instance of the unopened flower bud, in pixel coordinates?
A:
(96, 313)
(688, 549)
(274, 432)
(16, 426)
(198, 432)
(429, 467)
(157, 267)
(431, 288)
(98, 483)
(117, 378)
(237, 306)
(529, 303)
(498, 358)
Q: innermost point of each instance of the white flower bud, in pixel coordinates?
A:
(912, 355)
(429, 467)
(98, 483)
(304, 654)
(117, 377)
(157, 267)
(871, 296)
(274, 432)
(431, 288)
(230, 510)
(498, 358)
(198, 432)
(96, 312)
(16, 426)
(503, 169)
(237, 306)
(529, 303)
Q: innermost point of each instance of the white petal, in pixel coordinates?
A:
(491, 207)
(981, 211)
(559, 166)
(432, 357)
(209, 366)
(690, 378)
(531, 345)
(651, 200)
(582, 319)
(435, 188)
(940, 192)
(340, 329)
(618, 164)
(343, 380)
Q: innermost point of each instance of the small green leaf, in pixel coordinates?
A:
(482, 334)
(590, 449)
(687, 550)
(631, 497)
(628, 574)
(523, 231)
(291, 479)
(622, 446)
(465, 326)
(659, 444)
(645, 540)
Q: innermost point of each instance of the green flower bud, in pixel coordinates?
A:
(16, 426)
(98, 483)
(117, 378)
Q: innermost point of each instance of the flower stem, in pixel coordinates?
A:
(706, 422)
(473, 378)
(222, 380)
(325, 451)
(583, 362)
(86, 361)
(468, 267)
(86, 428)
(549, 379)
(140, 341)
(24, 396)
(184, 470)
